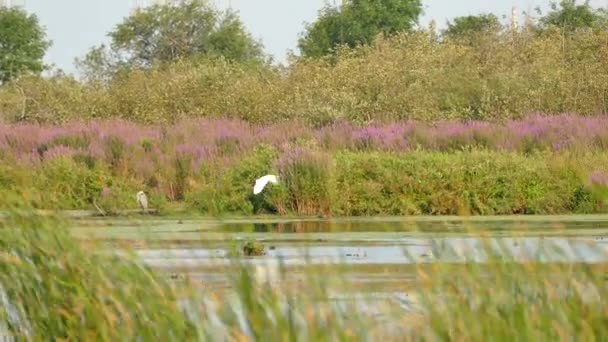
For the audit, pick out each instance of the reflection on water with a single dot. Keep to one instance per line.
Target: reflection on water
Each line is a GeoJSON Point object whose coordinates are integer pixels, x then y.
{"type": "Point", "coordinates": [426, 224]}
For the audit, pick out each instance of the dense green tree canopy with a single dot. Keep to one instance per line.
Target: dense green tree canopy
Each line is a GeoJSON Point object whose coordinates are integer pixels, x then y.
{"type": "Point", "coordinates": [167, 33]}
{"type": "Point", "coordinates": [22, 44]}
{"type": "Point", "coordinates": [469, 26]}
{"type": "Point", "coordinates": [357, 22]}
{"type": "Point", "coordinates": [570, 16]}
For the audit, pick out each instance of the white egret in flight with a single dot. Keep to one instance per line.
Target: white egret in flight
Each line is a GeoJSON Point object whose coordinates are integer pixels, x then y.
{"type": "Point", "coordinates": [261, 183]}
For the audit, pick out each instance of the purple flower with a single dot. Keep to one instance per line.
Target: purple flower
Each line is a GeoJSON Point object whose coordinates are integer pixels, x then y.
{"type": "Point", "coordinates": [599, 178]}
{"type": "Point", "coordinates": [58, 152]}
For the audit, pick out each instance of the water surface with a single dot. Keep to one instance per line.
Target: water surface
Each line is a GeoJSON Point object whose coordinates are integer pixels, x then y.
{"type": "Point", "coordinates": [198, 243]}
{"type": "Point", "coordinates": [377, 259]}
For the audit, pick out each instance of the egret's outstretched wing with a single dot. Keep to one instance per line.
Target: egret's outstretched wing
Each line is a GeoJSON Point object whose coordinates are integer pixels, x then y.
{"type": "Point", "coordinates": [261, 183]}
{"type": "Point", "coordinates": [259, 186]}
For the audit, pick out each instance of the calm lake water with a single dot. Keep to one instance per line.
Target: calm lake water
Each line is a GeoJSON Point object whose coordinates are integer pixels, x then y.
{"type": "Point", "coordinates": [204, 247]}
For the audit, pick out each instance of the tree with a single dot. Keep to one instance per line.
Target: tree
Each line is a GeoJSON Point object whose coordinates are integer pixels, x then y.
{"type": "Point", "coordinates": [357, 22]}
{"type": "Point", "coordinates": [472, 25]}
{"type": "Point", "coordinates": [168, 33]}
{"type": "Point", "coordinates": [22, 44]}
{"type": "Point", "coordinates": [100, 64]}
{"type": "Point", "coordinates": [569, 16]}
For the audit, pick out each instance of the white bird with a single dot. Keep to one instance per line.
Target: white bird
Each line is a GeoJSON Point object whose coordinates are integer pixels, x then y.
{"type": "Point", "coordinates": [142, 200]}
{"type": "Point", "coordinates": [261, 183]}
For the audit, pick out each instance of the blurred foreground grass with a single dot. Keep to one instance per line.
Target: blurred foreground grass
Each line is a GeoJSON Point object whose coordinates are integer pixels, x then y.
{"type": "Point", "coordinates": [53, 286]}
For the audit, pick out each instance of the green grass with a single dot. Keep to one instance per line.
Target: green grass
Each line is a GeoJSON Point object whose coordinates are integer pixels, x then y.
{"type": "Point", "coordinates": [64, 288]}
{"type": "Point", "coordinates": [336, 184]}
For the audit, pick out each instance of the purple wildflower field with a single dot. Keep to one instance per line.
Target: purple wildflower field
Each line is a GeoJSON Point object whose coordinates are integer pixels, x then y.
{"type": "Point", "coordinates": [217, 140]}
{"type": "Point", "coordinates": [178, 163]}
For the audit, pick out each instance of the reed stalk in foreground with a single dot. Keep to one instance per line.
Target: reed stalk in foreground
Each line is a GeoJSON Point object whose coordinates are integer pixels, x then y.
{"type": "Point", "coordinates": [54, 287]}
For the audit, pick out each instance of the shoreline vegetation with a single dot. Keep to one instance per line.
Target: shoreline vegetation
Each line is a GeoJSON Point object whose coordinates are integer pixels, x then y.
{"type": "Point", "coordinates": [478, 119]}
{"type": "Point", "coordinates": [474, 120]}
{"type": "Point", "coordinates": [537, 165]}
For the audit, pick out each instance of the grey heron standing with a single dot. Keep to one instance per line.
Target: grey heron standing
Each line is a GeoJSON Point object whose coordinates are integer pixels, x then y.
{"type": "Point", "coordinates": [142, 200]}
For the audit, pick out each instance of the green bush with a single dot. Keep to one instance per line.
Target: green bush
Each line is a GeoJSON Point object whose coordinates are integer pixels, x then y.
{"type": "Point", "coordinates": [315, 182]}
{"type": "Point", "coordinates": [478, 182]}
{"type": "Point", "coordinates": [229, 189]}
{"type": "Point", "coordinates": [422, 182]}
{"type": "Point", "coordinates": [63, 183]}
{"type": "Point", "coordinates": [305, 177]}
{"type": "Point", "coordinates": [407, 76]}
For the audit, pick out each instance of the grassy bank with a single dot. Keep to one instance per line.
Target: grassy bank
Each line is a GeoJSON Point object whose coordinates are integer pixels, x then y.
{"type": "Point", "coordinates": [55, 287]}
{"type": "Point", "coordinates": [539, 165]}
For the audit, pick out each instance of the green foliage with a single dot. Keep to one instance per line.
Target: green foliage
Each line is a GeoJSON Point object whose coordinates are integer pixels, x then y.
{"type": "Point", "coordinates": [15, 182]}
{"type": "Point", "coordinates": [569, 17]}
{"type": "Point", "coordinates": [325, 34]}
{"type": "Point", "coordinates": [65, 184]}
{"type": "Point", "coordinates": [516, 301]}
{"type": "Point", "coordinates": [71, 183]}
{"type": "Point", "coordinates": [161, 34]}
{"type": "Point", "coordinates": [306, 180]}
{"type": "Point", "coordinates": [147, 145]}
{"type": "Point", "coordinates": [22, 44]}
{"type": "Point", "coordinates": [57, 287]}
{"type": "Point", "coordinates": [357, 22]}
{"type": "Point", "coordinates": [253, 248]}
{"type": "Point", "coordinates": [100, 64]}
{"type": "Point", "coordinates": [472, 26]}
{"type": "Point", "coordinates": [582, 200]}
{"type": "Point", "coordinates": [408, 76]}
{"type": "Point", "coordinates": [430, 183]}
{"type": "Point", "coordinates": [340, 183]}
{"type": "Point", "coordinates": [496, 74]}
{"type": "Point", "coordinates": [182, 172]}
{"type": "Point", "coordinates": [229, 190]}
{"type": "Point", "coordinates": [60, 289]}
{"type": "Point", "coordinates": [448, 184]}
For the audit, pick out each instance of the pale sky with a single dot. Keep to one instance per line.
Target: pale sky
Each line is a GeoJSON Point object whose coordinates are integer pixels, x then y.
{"type": "Point", "coordinates": [76, 25]}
